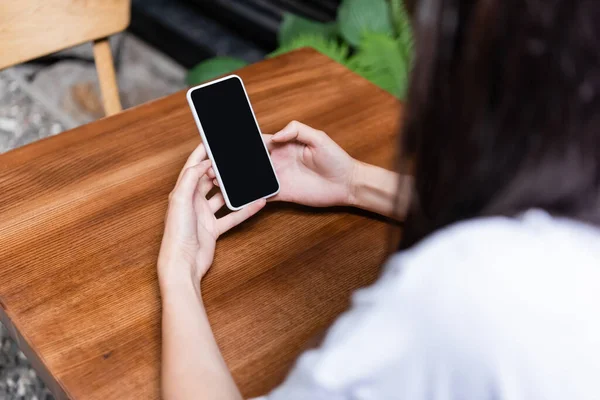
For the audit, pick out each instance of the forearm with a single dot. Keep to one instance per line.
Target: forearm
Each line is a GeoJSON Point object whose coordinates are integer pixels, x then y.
{"type": "Point", "coordinates": [381, 191]}
{"type": "Point", "coordinates": [192, 365]}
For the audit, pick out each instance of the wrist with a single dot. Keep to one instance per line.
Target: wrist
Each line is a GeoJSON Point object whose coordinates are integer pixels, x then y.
{"type": "Point", "coordinates": [179, 296]}
{"type": "Point", "coordinates": [174, 280]}
{"type": "Point", "coordinates": [376, 189]}
{"type": "Point", "coordinates": [356, 187]}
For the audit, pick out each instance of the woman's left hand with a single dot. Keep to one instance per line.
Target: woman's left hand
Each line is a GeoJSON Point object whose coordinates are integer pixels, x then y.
{"type": "Point", "coordinates": [191, 228]}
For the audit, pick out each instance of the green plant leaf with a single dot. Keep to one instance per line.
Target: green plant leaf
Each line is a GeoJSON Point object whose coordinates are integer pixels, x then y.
{"type": "Point", "coordinates": [293, 26]}
{"type": "Point", "coordinates": [403, 27]}
{"type": "Point", "coordinates": [330, 47]}
{"type": "Point", "coordinates": [213, 68]}
{"type": "Point", "coordinates": [380, 60]}
{"type": "Point", "coordinates": [357, 17]}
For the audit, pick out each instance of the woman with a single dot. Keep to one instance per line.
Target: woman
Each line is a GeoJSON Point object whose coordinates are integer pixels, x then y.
{"type": "Point", "coordinates": [495, 292]}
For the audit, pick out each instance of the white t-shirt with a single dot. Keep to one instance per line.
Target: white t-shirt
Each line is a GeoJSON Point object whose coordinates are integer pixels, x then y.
{"type": "Point", "coordinates": [495, 308]}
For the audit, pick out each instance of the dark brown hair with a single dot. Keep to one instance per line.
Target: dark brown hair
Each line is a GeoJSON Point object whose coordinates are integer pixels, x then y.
{"type": "Point", "coordinates": [503, 113]}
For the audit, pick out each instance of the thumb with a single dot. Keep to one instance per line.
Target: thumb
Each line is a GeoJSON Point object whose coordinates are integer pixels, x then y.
{"type": "Point", "coordinates": [300, 132]}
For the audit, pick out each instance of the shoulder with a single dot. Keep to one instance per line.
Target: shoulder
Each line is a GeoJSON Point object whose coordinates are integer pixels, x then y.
{"type": "Point", "coordinates": [486, 271]}
{"type": "Point", "coordinates": [479, 240]}
{"type": "Point", "coordinates": [462, 253]}
{"type": "Point", "coordinates": [500, 248]}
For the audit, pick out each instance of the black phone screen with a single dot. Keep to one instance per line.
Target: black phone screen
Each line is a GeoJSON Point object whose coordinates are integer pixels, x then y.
{"type": "Point", "coordinates": [235, 141]}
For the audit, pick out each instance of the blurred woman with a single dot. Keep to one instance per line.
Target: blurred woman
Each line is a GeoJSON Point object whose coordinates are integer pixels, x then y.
{"type": "Point", "coordinates": [494, 292]}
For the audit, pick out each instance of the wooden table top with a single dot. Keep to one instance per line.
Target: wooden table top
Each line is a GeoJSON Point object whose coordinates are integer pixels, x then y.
{"type": "Point", "coordinates": [81, 220]}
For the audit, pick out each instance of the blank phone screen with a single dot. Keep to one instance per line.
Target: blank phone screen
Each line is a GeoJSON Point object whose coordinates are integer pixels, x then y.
{"type": "Point", "coordinates": [235, 141]}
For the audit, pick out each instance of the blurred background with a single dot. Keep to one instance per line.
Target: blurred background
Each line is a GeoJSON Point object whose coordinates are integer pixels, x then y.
{"type": "Point", "coordinates": [165, 39]}
{"type": "Point", "coordinates": [172, 44]}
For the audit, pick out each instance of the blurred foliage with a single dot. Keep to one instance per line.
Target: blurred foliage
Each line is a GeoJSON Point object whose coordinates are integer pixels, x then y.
{"type": "Point", "coordinates": [336, 50]}
{"type": "Point", "coordinates": [402, 28]}
{"type": "Point", "coordinates": [213, 68]}
{"type": "Point", "coordinates": [357, 17]}
{"type": "Point", "coordinates": [373, 38]}
{"type": "Point", "coordinates": [380, 60]}
{"type": "Point", "coordinates": [293, 26]}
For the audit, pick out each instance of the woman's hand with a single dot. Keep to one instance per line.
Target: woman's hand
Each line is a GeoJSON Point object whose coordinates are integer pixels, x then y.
{"type": "Point", "coordinates": [191, 228]}
{"type": "Point", "coordinates": [312, 169]}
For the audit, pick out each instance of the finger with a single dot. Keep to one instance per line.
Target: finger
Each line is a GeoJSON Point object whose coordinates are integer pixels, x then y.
{"type": "Point", "coordinates": [216, 182]}
{"type": "Point", "coordinates": [205, 185]}
{"type": "Point", "coordinates": [273, 198]}
{"type": "Point", "coordinates": [185, 188]}
{"type": "Point", "coordinates": [211, 173]}
{"type": "Point", "coordinates": [300, 132]}
{"type": "Point", "coordinates": [268, 142]}
{"type": "Point", "coordinates": [197, 156]}
{"type": "Point", "coordinates": [235, 218]}
{"type": "Point", "coordinates": [216, 202]}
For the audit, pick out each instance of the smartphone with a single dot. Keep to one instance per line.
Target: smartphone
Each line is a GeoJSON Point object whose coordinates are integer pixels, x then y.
{"type": "Point", "coordinates": [233, 141]}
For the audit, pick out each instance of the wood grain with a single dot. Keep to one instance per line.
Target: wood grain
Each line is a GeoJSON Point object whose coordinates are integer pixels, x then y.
{"type": "Point", "coordinates": [82, 218]}
{"type": "Point", "coordinates": [34, 28]}
{"type": "Point", "coordinates": [107, 77]}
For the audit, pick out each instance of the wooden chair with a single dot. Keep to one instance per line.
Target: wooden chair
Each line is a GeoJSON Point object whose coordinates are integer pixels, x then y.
{"type": "Point", "coordinates": [35, 28]}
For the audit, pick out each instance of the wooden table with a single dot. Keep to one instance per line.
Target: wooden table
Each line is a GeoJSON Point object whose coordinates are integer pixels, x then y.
{"type": "Point", "coordinates": [81, 219]}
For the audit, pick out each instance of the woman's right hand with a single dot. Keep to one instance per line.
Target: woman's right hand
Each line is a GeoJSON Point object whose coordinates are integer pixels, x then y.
{"type": "Point", "coordinates": [312, 169]}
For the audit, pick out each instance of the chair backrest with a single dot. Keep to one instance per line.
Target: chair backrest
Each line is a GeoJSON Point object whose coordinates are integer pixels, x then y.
{"type": "Point", "coordinates": [34, 28]}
